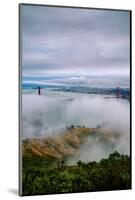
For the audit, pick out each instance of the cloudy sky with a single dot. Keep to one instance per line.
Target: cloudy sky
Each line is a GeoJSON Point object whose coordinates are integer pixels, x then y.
{"type": "Point", "coordinates": [74, 42]}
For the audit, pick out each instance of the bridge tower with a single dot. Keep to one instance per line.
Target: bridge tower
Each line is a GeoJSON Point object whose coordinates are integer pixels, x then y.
{"type": "Point", "coordinates": [39, 90]}
{"type": "Point", "coordinates": [118, 92]}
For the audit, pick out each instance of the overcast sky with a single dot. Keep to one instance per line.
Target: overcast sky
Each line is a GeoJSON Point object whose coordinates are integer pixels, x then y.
{"type": "Point", "coordinates": [68, 42]}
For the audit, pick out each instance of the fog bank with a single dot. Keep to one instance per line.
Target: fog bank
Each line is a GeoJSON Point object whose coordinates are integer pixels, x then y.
{"type": "Point", "coordinates": [44, 116]}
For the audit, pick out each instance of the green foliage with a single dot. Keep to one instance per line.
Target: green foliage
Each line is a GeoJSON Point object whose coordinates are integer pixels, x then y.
{"type": "Point", "coordinates": [44, 176]}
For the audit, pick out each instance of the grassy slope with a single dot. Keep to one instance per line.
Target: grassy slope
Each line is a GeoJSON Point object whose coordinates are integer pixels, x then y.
{"type": "Point", "coordinates": [45, 170]}
{"type": "Point", "coordinates": [62, 146]}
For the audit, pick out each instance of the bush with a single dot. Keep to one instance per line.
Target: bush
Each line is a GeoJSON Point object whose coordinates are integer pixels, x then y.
{"type": "Point", "coordinates": [108, 174]}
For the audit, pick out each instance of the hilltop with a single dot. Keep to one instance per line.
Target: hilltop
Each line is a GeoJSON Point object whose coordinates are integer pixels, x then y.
{"type": "Point", "coordinates": [61, 146]}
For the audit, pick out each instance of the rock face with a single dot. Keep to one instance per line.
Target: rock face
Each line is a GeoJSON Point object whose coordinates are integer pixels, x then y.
{"type": "Point", "coordinates": [64, 145]}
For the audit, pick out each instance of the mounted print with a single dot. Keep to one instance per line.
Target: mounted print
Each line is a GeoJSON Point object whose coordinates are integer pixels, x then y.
{"type": "Point", "coordinates": [75, 92]}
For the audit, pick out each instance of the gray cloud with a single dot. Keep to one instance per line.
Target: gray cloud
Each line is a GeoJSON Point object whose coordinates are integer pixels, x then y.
{"type": "Point", "coordinates": [72, 41]}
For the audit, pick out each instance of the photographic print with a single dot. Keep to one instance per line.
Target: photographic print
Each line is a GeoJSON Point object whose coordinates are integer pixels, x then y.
{"type": "Point", "coordinates": [75, 99]}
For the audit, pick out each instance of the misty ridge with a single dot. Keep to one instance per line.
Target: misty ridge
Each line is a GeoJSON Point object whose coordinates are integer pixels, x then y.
{"type": "Point", "coordinates": [46, 117]}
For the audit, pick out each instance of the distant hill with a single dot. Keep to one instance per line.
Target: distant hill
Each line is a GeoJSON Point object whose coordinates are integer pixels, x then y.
{"type": "Point", "coordinates": [63, 145]}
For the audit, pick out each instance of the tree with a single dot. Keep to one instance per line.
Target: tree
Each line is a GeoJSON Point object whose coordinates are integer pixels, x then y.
{"type": "Point", "coordinates": [62, 164]}
{"type": "Point", "coordinates": [114, 156]}
{"type": "Point", "coordinates": [79, 163]}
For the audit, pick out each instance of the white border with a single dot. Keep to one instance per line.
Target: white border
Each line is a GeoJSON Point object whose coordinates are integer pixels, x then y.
{"type": "Point", "coordinates": [9, 97]}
